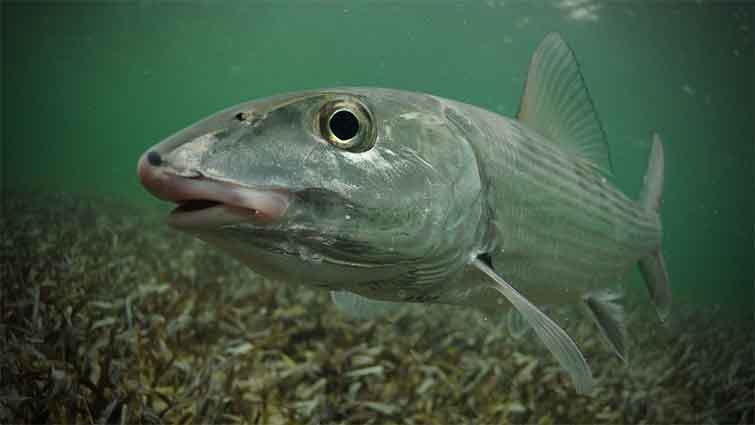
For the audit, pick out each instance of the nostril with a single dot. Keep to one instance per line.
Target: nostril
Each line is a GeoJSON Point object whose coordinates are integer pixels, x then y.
{"type": "Point", "coordinates": [154, 158]}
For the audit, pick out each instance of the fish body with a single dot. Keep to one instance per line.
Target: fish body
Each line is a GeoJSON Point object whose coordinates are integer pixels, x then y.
{"type": "Point", "coordinates": [560, 228]}
{"type": "Point", "coordinates": [385, 196]}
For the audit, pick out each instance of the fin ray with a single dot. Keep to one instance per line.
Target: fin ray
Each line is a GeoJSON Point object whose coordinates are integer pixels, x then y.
{"type": "Point", "coordinates": [653, 267]}
{"type": "Point", "coordinates": [653, 270]}
{"type": "Point", "coordinates": [555, 339]}
{"type": "Point", "coordinates": [609, 316]}
{"type": "Point", "coordinates": [652, 188]}
{"type": "Point", "coordinates": [557, 105]}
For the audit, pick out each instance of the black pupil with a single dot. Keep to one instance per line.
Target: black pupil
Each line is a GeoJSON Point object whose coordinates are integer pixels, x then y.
{"type": "Point", "coordinates": [344, 125]}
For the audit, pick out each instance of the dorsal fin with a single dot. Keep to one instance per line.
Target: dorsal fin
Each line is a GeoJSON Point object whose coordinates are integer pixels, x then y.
{"type": "Point", "coordinates": [557, 105]}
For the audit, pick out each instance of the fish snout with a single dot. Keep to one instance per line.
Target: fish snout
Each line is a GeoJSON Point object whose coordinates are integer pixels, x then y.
{"type": "Point", "coordinates": [194, 192]}
{"type": "Point", "coordinates": [145, 168]}
{"type": "Point", "coordinates": [153, 177]}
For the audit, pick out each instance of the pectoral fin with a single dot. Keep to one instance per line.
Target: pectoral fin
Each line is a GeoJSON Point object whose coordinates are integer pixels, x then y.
{"type": "Point", "coordinates": [557, 341]}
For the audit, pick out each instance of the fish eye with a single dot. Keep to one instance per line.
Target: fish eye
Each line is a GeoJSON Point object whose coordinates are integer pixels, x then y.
{"type": "Point", "coordinates": [347, 125]}
{"type": "Point", "coordinates": [344, 124]}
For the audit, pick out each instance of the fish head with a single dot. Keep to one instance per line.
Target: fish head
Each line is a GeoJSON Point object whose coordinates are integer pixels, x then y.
{"type": "Point", "coordinates": [334, 188]}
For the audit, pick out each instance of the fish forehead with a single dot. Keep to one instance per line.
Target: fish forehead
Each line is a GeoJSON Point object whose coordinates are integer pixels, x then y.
{"type": "Point", "coordinates": [412, 130]}
{"type": "Point", "coordinates": [416, 107]}
{"type": "Point", "coordinates": [387, 104]}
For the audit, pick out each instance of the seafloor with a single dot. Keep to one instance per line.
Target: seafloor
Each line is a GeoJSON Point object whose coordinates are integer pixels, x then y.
{"type": "Point", "coordinates": [109, 317]}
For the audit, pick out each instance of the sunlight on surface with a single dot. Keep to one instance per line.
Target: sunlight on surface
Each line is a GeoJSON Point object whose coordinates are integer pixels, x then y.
{"type": "Point", "coordinates": [580, 10]}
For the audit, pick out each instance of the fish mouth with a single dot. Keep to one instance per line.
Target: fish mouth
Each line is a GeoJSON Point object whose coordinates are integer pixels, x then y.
{"type": "Point", "coordinates": [205, 213]}
{"type": "Point", "coordinates": [211, 203]}
{"type": "Point", "coordinates": [196, 205]}
{"type": "Point", "coordinates": [208, 202]}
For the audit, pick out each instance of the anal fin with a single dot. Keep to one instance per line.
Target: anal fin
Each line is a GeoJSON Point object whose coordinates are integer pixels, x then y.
{"type": "Point", "coordinates": [608, 314]}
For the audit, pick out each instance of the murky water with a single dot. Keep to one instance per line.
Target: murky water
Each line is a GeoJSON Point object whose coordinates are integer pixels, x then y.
{"type": "Point", "coordinates": [88, 87]}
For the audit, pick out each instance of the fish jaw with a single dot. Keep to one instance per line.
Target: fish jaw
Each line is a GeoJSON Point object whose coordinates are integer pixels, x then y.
{"type": "Point", "coordinates": [209, 202]}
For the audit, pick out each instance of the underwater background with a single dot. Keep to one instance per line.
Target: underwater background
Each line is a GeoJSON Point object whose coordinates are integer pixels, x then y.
{"type": "Point", "coordinates": [87, 87]}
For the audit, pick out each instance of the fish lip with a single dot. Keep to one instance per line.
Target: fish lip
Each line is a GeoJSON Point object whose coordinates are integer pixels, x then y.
{"type": "Point", "coordinates": [213, 217]}
{"type": "Point", "coordinates": [236, 202]}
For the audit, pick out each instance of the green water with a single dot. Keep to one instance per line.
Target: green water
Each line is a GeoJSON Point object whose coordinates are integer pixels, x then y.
{"type": "Point", "coordinates": [88, 87]}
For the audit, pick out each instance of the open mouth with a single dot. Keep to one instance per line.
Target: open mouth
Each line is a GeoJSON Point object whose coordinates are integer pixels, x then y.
{"type": "Point", "coordinates": [194, 205]}
{"type": "Point", "coordinates": [210, 203]}
{"type": "Point", "coordinates": [207, 213]}
{"type": "Point", "coordinates": [204, 201]}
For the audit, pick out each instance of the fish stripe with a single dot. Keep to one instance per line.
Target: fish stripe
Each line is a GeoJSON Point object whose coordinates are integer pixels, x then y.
{"type": "Point", "coordinates": [557, 217]}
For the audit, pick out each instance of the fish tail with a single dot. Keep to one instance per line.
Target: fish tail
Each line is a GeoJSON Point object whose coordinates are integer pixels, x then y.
{"type": "Point", "coordinates": [653, 267]}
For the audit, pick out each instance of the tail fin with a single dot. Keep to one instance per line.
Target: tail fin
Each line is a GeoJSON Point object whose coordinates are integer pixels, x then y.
{"type": "Point", "coordinates": [653, 267]}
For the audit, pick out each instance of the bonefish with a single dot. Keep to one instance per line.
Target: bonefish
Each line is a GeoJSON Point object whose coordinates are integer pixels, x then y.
{"type": "Point", "coordinates": [384, 196]}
